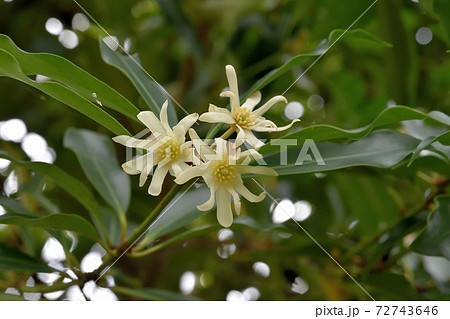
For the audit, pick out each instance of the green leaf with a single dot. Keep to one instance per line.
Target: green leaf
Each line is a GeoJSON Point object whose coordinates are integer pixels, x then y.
{"type": "Point", "coordinates": [179, 212]}
{"type": "Point", "coordinates": [380, 149]}
{"type": "Point", "coordinates": [8, 297]}
{"type": "Point", "coordinates": [68, 222]}
{"type": "Point", "coordinates": [390, 237]}
{"type": "Point", "coordinates": [99, 162]}
{"type": "Point", "coordinates": [443, 138]}
{"type": "Point", "coordinates": [72, 185]}
{"type": "Point", "coordinates": [389, 116]}
{"type": "Point", "coordinates": [152, 294]}
{"type": "Point", "coordinates": [65, 72]}
{"type": "Point", "coordinates": [13, 206]}
{"type": "Point", "coordinates": [240, 222]}
{"type": "Point", "coordinates": [276, 73]}
{"type": "Point", "coordinates": [440, 10]}
{"type": "Point", "coordinates": [391, 286]}
{"type": "Point", "coordinates": [152, 92]}
{"type": "Point", "coordinates": [434, 240]}
{"type": "Point", "coordinates": [15, 260]}
{"type": "Point", "coordinates": [357, 34]}
{"type": "Point", "coordinates": [11, 68]}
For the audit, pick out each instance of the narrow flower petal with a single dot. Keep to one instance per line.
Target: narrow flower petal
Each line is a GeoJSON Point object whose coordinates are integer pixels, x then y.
{"type": "Point", "coordinates": [209, 204]}
{"type": "Point", "coordinates": [190, 173]}
{"type": "Point", "coordinates": [201, 147]}
{"type": "Point", "coordinates": [257, 170]}
{"type": "Point", "coordinates": [248, 156]}
{"type": "Point", "coordinates": [133, 142]}
{"type": "Point", "coordinates": [224, 213]}
{"type": "Point", "coordinates": [233, 83]}
{"type": "Point", "coordinates": [261, 110]}
{"type": "Point", "coordinates": [130, 168]}
{"type": "Point", "coordinates": [236, 200]}
{"type": "Point", "coordinates": [221, 148]}
{"type": "Point", "coordinates": [187, 154]}
{"type": "Point", "coordinates": [241, 189]}
{"type": "Point", "coordinates": [184, 125]}
{"type": "Point", "coordinates": [252, 101]}
{"type": "Point", "coordinates": [157, 180]}
{"type": "Point", "coordinates": [216, 117]}
{"type": "Point", "coordinates": [136, 165]}
{"type": "Point", "coordinates": [248, 136]}
{"type": "Point", "coordinates": [214, 108]}
{"type": "Point", "coordinates": [259, 128]}
{"type": "Point", "coordinates": [152, 122]}
{"type": "Point", "coordinates": [163, 117]}
{"type": "Point", "coordinates": [145, 165]}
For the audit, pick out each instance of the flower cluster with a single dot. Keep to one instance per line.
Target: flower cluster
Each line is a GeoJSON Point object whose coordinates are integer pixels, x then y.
{"type": "Point", "coordinates": [219, 165]}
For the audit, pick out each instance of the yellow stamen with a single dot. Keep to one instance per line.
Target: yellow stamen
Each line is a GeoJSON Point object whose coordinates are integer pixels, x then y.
{"type": "Point", "coordinates": [223, 172]}
{"type": "Point", "coordinates": [243, 117]}
{"type": "Point", "coordinates": [170, 150]}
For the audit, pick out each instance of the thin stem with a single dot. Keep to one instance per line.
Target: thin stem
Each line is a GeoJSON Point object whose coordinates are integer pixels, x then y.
{"type": "Point", "coordinates": [189, 234]}
{"type": "Point", "coordinates": [150, 218]}
{"type": "Point", "coordinates": [123, 225]}
{"type": "Point", "coordinates": [228, 132]}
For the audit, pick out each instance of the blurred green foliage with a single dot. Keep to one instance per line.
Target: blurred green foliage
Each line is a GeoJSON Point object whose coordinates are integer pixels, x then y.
{"type": "Point", "coordinates": [366, 217]}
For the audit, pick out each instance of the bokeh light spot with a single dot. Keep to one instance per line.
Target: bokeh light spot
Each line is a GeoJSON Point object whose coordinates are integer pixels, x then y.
{"type": "Point", "coordinates": [68, 39]}
{"type": "Point", "coordinates": [54, 26]}
{"type": "Point", "coordinates": [80, 22]}
{"type": "Point", "coordinates": [294, 110]}
{"type": "Point", "coordinates": [424, 36]}
{"type": "Point", "coordinates": [13, 130]}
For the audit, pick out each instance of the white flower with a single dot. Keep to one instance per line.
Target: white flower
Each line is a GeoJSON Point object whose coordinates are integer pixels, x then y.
{"type": "Point", "coordinates": [167, 149]}
{"type": "Point", "coordinates": [221, 170]}
{"type": "Point", "coordinates": [242, 116]}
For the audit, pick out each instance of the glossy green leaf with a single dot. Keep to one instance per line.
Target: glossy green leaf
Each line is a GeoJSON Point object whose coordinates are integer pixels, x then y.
{"type": "Point", "coordinates": [15, 260]}
{"type": "Point", "coordinates": [152, 294]}
{"type": "Point", "coordinates": [9, 67]}
{"type": "Point", "coordinates": [65, 72]}
{"type": "Point", "coordinates": [97, 157]}
{"type": "Point", "coordinates": [72, 185]}
{"type": "Point", "coordinates": [14, 207]}
{"type": "Point", "coordinates": [19, 215]}
{"type": "Point", "coordinates": [389, 116]}
{"type": "Point", "coordinates": [443, 138]}
{"type": "Point", "coordinates": [151, 91]}
{"type": "Point", "coordinates": [434, 240]}
{"type": "Point", "coordinates": [68, 222]}
{"type": "Point", "coordinates": [380, 149]}
{"type": "Point", "coordinates": [179, 212]}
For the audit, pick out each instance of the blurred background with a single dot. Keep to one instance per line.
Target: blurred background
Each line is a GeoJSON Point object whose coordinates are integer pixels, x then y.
{"type": "Point", "coordinates": [185, 46]}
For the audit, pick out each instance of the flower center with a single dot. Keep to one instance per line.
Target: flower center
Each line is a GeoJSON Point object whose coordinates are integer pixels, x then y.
{"type": "Point", "coordinates": [243, 117]}
{"type": "Point", "coordinates": [224, 172]}
{"type": "Point", "coordinates": [170, 150]}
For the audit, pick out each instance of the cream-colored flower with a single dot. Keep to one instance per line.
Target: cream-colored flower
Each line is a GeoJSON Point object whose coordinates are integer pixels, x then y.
{"type": "Point", "coordinates": [243, 117]}
{"type": "Point", "coordinates": [221, 170]}
{"type": "Point", "coordinates": [167, 149]}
